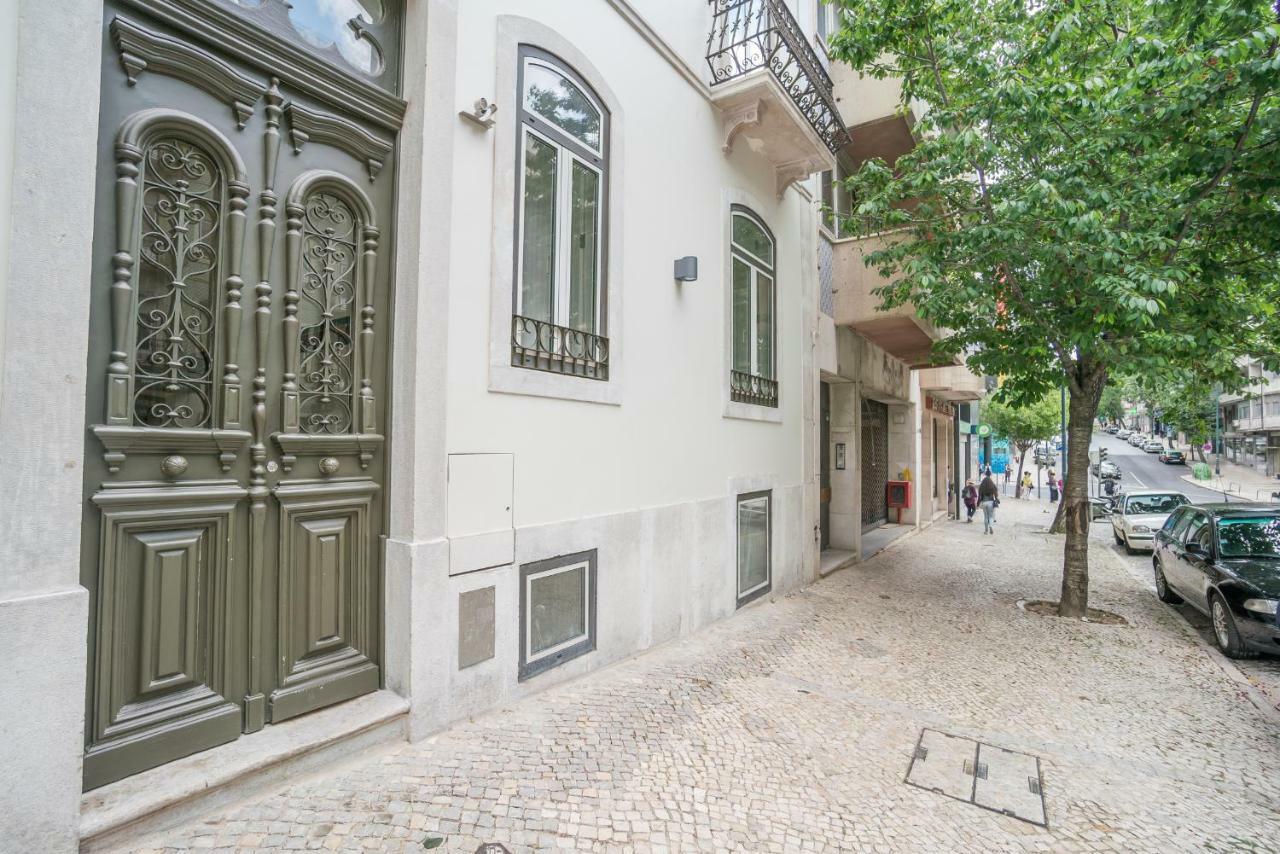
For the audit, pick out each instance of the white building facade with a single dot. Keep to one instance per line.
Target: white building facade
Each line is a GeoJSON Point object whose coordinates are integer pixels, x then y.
{"type": "Point", "coordinates": [365, 370]}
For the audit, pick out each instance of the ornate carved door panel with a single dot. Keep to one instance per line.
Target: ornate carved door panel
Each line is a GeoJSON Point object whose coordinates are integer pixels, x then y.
{"type": "Point", "coordinates": [237, 363]}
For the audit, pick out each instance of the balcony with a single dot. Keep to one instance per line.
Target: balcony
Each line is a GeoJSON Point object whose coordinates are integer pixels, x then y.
{"type": "Point", "coordinates": [771, 89]}
{"type": "Point", "coordinates": [954, 383]}
{"type": "Point", "coordinates": [899, 331]}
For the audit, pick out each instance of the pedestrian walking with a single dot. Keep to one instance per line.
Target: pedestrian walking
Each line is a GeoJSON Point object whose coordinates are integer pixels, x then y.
{"type": "Point", "coordinates": [989, 500]}
{"type": "Point", "coordinates": [1053, 487]}
{"type": "Point", "coordinates": [1026, 484]}
{"type": "Point", "coordinates": [970, 497]}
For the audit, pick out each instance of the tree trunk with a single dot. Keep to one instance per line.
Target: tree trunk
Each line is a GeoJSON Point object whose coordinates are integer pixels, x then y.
{"type": "Point", "coordinates": [1086, 391]}
{"type": "Point", "coordinates": [1059, 525]}
{"type": "Point", "coordinates": [1017, 480]}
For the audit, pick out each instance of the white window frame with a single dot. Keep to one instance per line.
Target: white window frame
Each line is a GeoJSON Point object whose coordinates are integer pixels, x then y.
{"type": "Point", "coordinates": [531, 663]}
{"type": "Point", "coordinates": [513, 33]}
{"type": "Point", "coordinates": [757, 266]}
{"type": "Point", "coordinates": [566, 157]}
{"type": "Point", "coordinates": [745, 596]}
{"type": "Point", "coordinates": [560, 291]}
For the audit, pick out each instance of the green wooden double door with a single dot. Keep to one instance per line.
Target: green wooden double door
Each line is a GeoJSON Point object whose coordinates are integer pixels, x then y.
{"type": "Point", "coordinates": [237, 397]}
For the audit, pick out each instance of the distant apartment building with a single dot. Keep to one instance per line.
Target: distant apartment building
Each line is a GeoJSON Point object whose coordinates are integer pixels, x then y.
{"type": "Point", "coordinates": [1250, 420]}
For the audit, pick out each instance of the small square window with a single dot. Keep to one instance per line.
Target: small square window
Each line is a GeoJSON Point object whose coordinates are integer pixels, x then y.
{"type": "Point", "coordinates": [754, 526]}
{"type": "Point", "coordinates": [557, 611]}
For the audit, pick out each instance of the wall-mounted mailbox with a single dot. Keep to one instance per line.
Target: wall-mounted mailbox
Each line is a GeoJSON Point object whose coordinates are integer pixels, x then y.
{"type": "Point", "coordinates": [481, 534]}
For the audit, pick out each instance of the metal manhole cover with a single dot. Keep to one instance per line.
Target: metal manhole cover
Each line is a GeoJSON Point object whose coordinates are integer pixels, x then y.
{"type": "Point", "coordinates": [987, 776]}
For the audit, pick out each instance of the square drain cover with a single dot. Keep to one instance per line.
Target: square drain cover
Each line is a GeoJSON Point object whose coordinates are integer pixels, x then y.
{"type": "Point", "coordinates": [1003, 781]}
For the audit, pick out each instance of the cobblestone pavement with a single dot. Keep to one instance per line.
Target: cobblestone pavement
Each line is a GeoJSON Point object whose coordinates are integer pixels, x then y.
{"type": "Point", "coordinates": [790, 727]}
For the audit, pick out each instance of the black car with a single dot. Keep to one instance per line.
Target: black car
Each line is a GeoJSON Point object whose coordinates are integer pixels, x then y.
{"type": "Point", "coordinates": [1224, 560]}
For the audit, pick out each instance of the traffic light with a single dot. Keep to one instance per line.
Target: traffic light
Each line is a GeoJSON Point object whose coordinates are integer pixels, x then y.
{"type": "Point", "coordinates": [1102, 454]}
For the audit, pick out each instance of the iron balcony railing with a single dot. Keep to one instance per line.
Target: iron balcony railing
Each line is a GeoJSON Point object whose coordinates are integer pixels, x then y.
{"type": "Point", "coordinates": [751, 34]}
{"type": "Point", "coordinates": [544, 346]}
{"type": "Point", "coordinates": [749, 388]}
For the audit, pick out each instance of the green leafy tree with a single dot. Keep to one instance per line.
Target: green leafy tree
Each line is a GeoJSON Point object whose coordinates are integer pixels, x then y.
{"type": "Point", "coordinates": [1111, 404]}
{"type": "Point", "coordinates": [1094, 186]}
{"type": "Point", "coordinates": [1022, 424]}
{"type": "Point", "coordinates": [1186, 403]}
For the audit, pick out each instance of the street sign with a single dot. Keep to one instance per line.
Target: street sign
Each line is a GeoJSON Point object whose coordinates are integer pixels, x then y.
{"type": "Point", "coordinates": [984, 430]}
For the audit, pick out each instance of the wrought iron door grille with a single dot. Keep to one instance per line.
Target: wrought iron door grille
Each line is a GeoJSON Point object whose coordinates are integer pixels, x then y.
{"type": "Point", "coordinates": [544, 346]}
{"type": "Point", "coordinates": [751, 34]}
{"type": "Point", "coordinates": [875, 462]}
{"type": "Point", "coordinates": [749, 388]}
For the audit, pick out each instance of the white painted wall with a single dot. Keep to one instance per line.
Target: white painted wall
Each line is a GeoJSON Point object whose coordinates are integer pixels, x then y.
{"type": "Point", "coordinates": [667, 441]}
{"type": "Point", "coordinates": [645, 470]}
{"type": "Point", "coordinates": [49, 54]}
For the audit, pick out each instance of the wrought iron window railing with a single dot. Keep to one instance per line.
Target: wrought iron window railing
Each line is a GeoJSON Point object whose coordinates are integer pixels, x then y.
{"type": "Point", "coordinates": [749, 388]}
{"type": "Point", "coordinates": [751, 34]}
{"type": "Point", "coordinates": [544, 346]}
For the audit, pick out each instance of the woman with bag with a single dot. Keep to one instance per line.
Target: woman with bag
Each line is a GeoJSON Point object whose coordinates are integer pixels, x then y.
{"type": "Point", "coordinates": [989, 500]}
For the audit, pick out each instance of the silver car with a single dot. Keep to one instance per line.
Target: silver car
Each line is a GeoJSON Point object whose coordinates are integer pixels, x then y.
{"type": "Point", "coordinates": [1140, 513]}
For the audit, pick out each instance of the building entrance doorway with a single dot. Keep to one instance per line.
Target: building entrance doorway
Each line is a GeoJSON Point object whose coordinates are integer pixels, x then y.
{"type": "Point", "coordinates": [875, 463]}
{"type": "Point", "coordinates": [824, 467]}
{"type": "Point", "coordinates": [237, 364]}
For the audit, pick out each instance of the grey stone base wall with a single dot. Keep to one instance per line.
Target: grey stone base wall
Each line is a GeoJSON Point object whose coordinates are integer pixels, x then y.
{"type": "Point", "coordinates": [662, 573]}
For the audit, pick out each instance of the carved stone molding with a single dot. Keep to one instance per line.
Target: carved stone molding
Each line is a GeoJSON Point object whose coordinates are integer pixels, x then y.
{"type": "Point", "coordinates": [740, 119]}
{"type": "Point", "coordinates": [144, 50]}
{"type": "Point", "coordinates": [308, 125]}
{"type": "Point", "coordinates": [786, 174]}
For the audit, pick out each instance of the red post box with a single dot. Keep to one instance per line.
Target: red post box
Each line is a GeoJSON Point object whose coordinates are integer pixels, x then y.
{"type": "Point", "coordinates": [898, 496]}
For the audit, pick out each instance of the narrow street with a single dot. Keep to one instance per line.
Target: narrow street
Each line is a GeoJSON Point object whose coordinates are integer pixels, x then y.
{"type": "Point", "coordinates": [1144, 471]}
{"type": "Point", "coordinates": [794, 725]}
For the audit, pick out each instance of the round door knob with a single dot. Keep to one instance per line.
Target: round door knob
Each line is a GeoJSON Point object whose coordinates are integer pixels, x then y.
{"type": "Point", "coordinates": [173, 465]}
{"type": "Point", "coordinates": [328, 466]}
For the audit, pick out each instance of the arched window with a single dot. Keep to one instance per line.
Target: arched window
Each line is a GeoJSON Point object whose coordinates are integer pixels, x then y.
{"type": "Point", "coordinates": [176, 272]}
{"type": "Point", "coordinates": [332, 245]}
{"type": "Point", "coordinates": [559, 322]}
{"type": "Point", "coordinates": [753, 367]}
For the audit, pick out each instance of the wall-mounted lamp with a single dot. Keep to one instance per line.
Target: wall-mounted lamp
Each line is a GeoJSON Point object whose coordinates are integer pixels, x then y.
{"type": "Point", "coordinates": [687, 269]}
{"type": "Point", "coordinates": [481, 114]}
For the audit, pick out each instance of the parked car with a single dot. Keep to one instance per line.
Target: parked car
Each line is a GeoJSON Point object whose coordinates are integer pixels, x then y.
{"type": "Point", "coordinates": [1105, 469]}
{"type": "Point", "coordinates": [1153, 446]}
{"type": "Point", "coordinates": [1043, 457]}
{"type": "Point", "coordinates": [1100, 507]}
{"type": "Point", "coordinates": [1224, 560]}
{"type": "Point", "coordinates": [1137, 440]}
{"type": "Point", "coordinates": [1173, 457]}
{"type": "Point", "coordinates": [1123, 433]}
{"type": "Point", "coordinates": [1140, 513]}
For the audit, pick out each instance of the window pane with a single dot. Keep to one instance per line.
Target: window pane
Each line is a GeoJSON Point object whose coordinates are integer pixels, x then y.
{"type": "Point", "coordinates": [584, 248]}
{"type": "Point", "coordinates": [741, 316]}
{"type": "Point", "coordinates": [557, 608]}
{"type": "Point", "coordinates": [537, 273]}
{"type": "Point", "coordinates": [752, 238]}
{"type": "Point", "coordinates": [753, 544]}
{"type": "Point", "coordinates": [764, 326]}
{"type": "Point", "coordinates": [325, 23]}
{"type": "Point", "coordinates": [553, 96]}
